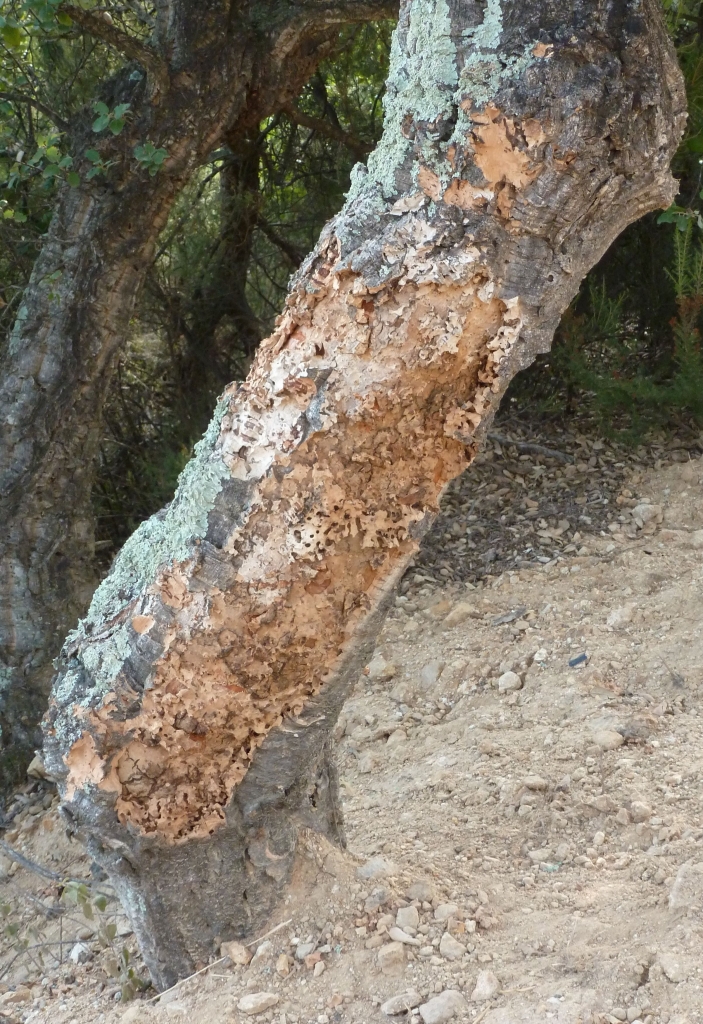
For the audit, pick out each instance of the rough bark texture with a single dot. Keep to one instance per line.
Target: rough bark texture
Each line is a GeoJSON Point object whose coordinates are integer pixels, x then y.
{"type": "Point", "coordinates": [215, 69]}
{"type": "Point", "coordinates": [190, 717]}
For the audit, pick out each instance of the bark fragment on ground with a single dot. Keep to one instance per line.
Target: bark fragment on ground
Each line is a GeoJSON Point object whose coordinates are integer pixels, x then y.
{"type": "Point", "coordinates": [190, 716]}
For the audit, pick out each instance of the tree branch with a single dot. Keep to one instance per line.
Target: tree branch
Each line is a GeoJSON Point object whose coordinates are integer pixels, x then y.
{"type": "Point", "coordinates": [359, 148]}
{"type": "Point", "coordinates": [102, 28]}
{"type": "Point", "coordinates": [294, 254]}
{"type": "Point", "coordinates": [18, 97]}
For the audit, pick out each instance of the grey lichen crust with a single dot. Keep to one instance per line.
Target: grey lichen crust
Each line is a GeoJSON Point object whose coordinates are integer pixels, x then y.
{"type": "Point", "coordinates": [426, 85]}
{"type": "Point", "coordinates": [167, 537]}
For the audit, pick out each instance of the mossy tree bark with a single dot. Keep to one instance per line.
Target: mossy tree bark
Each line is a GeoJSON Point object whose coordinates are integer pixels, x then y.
{"type": "Point", "coordinates": [212, 71]}
{"type": "Point", "coordinates": [190, 719]}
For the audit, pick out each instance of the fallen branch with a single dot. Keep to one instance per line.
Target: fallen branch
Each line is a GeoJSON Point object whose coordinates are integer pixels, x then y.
{"type": "Point", "coordinates": [530, 448]}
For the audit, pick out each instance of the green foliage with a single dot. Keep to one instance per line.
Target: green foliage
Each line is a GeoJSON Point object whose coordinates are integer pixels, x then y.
{"type": "Point", "coordinates": [113, 120]}
{"type": "Point", "coordinates": [148, 156]}
{"type": "Point", "coordinates": [631, 381]}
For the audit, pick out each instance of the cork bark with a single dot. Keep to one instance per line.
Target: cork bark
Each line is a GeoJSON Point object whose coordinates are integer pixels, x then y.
{"type": "Point", "coordinates": [191, 715]}
{"type": "Point", "coordinates": [211, 73]}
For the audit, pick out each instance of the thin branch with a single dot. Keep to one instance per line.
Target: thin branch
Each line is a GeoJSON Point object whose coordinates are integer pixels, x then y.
{"type": "Point", "coordinates": [29, 864]}
{"type": "Point", "coordinates": [530, 448]}
{"type": "Point", "coordinates": [358, 147]}
{"type": "Point", "coordinates": [293, 253]}
{"type": "Point", "coordinates": [18, 97]}
{"type": "Point", "coordinates": [102, 28]}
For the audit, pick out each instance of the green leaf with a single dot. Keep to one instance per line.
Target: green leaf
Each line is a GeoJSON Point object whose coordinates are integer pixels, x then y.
{"type": "Point", "coordinates": [116, 125]}
{"type": "Point", "coordinates": [64, 19]}
{"type": "Point", "coordinates": [12, 35]}
{"type": "Point", "coordinates": [92, 173]}
{"type": "Point", "coordinates": [93, 156]}
{"type": "Point", "coordinates": [121, 109]}
{"type": "Point", "coordinates": [100, 902]}
{"type": "Point", "coordinates": [101, 123]}
{"type": "Point", "coordinates": [20, 217]}
{"type": "Point", "coordinates": [111, 931]}
{"type": "Point", "coordinates": [52, 154]}
{"type": "Point", "coordinates": [101, 108]}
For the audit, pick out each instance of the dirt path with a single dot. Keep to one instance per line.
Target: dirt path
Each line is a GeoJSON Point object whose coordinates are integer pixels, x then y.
{"type": "Point", "coordinates": [535, 830]}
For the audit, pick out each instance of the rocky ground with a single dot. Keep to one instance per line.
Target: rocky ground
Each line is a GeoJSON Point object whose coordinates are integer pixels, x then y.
{"type": "Point", "coordinates": [520, 767]}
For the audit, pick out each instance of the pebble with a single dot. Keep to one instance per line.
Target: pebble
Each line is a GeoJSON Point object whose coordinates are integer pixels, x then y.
{"type": "Point", "coordinates": [421, 891]}
{"type": "Point", "coordinates": [263, 952]}
{"type": "Point", "coordinates": [380, 670]}
{"type": "Point", "coordinates": [446, 910]}
{"type": "Point", "coordinates": [257, 1002]}
{"type": "Point", "coordinates": [304, 949]}
{"type": "Point", "coordinates": [444, 1007]}
{"type": "Point", "coordinates": [673, 967]}
{"type": "Point", "coordinates": [697, 539]}
{"type": "Point", "coordinates": [460, 613]}
{"type": "Point", "coordinates": [402, 1003]}
{"type": "Point", "coordinates": [391, 958]}
{"type": "Point", "coordinates": [283, 965]}
{"type": "Point", "coordinates": [509, 682]}
{"type": "Point", "coordinates": [487, 986]}
{"type": "Point", "coordinates": [535, 782]}
{"type": "Point", "coordinates": [80, 953]}
{"type": "Point", "coordinates": [238, 953]}
{"type": "Point", "coordinates": [620, 616]}
{"type": "Point", "coordinates": [398, 935]}
{"type": "Point", "coordinates": [608, 739]}
{"type": "Point", "coordinates": [640, 811]}
{"type": "Point", "coordinates": [407, 917]}
{"type": "Point", "coordinates": [450, 948]}
{"type": "Point", "coordinates": [377, 867]}
{"type": "Point", "coordinates": [318, 969]}
{"type": "Point", "coordinates": [431, 672]}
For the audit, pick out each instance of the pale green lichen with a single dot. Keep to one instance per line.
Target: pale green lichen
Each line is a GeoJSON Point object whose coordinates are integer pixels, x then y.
{"type": "Point", "coordinates": [422, 78]}
{"type": "Point", "coordinates": [166, 537]}
{"type": "Point", "coordinates": [425, 85]}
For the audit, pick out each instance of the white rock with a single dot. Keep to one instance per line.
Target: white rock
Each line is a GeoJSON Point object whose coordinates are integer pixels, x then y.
{"type": "Point", "coordinates": [509, 682]}
{"type": "Point", "coordinates": [640, 811]}
{"type": "Point", "coordinates": [397, 737]}
{"type": "Point", "coordinates": [377, 867]}
{"type": "Point", "coordinates": [431, 672]}
{"type": "Point", "coordinates": [407, 917]}
{"type": "Point", "coordinates": [674, 967]}
{"type": "Point", "coordinates": [450, 948]}
{"type": "Point", "coordinates": [487, 986]}
{"type": "Point", "coordinates": [445, 910]}
{"type": "Point", "coordinates": [398, 935]}
{"type": "Point", "coordinates": [381, 670]}
{"type": "Point", "coordinates": [237, 953]}
{"type": "Point", "coordinates": [263, 952]}
{"type": "Point", "coordinates": [319, 968]}
{"type": "Point", "coordinates": [391, 958]}
{"type": "Point", "coordinates": [257, 1002]}
{"type": "Point", "coordinates": [36, 768]}
{"type": "Point", "coordinates": [621, 616]}
{"type": "Point", "coordinates": [608, 739]}
{"type": "Point", "coordinates": [80, 953]}
{"type": "Point", "coordinates": [402, 1003]}
{"type": "Point", "coordinates": [542, 856]}
{"type": "Point", "coordinates": [646, 512]}
{"type": "Point", "coordinates": [460, 613]}
{"type": "Point", "coordinates": [535, 782]}
{"type": "Point", "coordinates": [687, 890]}
{"type": "Point", "coordinates": [697, 539]}
{"type": "Point", "coordinates": [444, 1007]}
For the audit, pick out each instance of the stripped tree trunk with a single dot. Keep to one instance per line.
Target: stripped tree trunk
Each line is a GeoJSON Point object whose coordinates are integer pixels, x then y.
{"type": "Point", "coordinates": [208, 75]}
{"type": "Point", "coordinates": [191, 716]}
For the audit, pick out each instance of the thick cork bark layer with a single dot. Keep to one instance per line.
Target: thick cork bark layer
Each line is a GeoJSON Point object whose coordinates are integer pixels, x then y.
{"type": "Point", "coordinates": [190, 717]}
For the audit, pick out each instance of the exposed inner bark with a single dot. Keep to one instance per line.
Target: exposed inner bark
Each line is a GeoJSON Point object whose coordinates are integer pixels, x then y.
{"type": "Point", "coordinates": [211, 84]}
{"type": "Point", "coordinates": [194, 701]}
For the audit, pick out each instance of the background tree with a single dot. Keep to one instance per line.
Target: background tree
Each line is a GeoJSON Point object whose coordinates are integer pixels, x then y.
{"type": "Point", "coordinates": [190, 718]}
{"type": "Point", "coordinates": [169, 83]}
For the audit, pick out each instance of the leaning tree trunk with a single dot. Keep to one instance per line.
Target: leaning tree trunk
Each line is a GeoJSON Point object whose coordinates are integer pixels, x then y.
{"type": "Point", "coordinates": [206, 82]}
{"type": "Point", "coordinates": [191, 715]}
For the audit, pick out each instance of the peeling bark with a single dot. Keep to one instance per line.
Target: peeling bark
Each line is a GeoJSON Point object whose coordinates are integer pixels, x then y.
{"type": "Point", "coordinates": [190, 717]}
{"type": "Point", "coordinates": [206, 84]}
